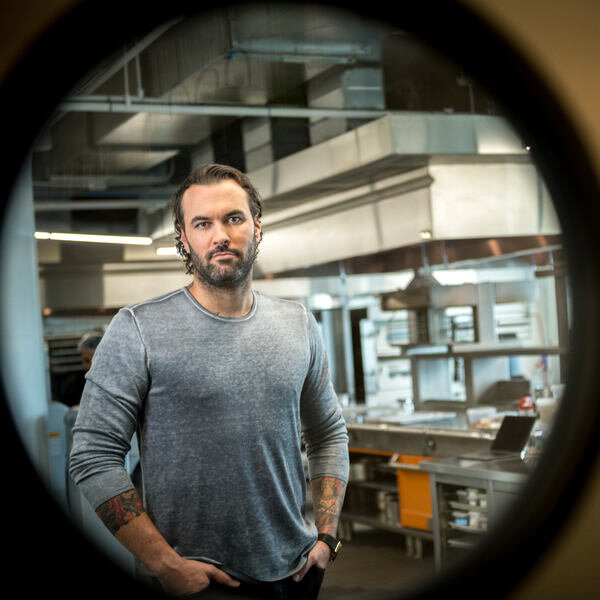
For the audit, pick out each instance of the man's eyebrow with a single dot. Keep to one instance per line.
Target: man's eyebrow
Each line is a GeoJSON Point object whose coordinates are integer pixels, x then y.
{"type": "Point", "coordinates": [232, 213]}
{"type": "Point", "coordinates": [199, 218]}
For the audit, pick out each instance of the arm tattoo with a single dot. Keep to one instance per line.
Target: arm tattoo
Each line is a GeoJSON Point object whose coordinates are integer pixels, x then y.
{"type": "Point", "coordinates": [328, 496]}
{"type": "Point", "coordinates": [121, 509]}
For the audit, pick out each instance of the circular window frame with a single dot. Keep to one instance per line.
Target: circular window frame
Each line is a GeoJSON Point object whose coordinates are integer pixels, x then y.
{"type": "Point", "coordinates": [528, 528]}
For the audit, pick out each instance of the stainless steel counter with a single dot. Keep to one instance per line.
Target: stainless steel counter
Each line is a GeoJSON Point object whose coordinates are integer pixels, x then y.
{"type": "Point", "coordinates": [507, 470]}
{"type": "Point", "coordinates": [443, 437]}
{"type": "Point", "coordinates": [376, 429]}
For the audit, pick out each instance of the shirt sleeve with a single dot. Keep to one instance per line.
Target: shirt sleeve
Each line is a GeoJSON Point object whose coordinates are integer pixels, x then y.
{"type": "Point", "coordinates": [323, 426]}
{"type": "Point", "coordinates": [115, 389]}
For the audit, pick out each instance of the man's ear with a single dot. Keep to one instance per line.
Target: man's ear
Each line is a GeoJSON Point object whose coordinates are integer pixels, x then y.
{"type": "Point", "coordinates": [258, 233]}
{"type": "Point", "coordinates": [184, 241]}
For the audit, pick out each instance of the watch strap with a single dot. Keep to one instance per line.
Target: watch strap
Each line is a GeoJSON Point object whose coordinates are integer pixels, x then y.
{"type": "Point", "coordinates": [333, 543]}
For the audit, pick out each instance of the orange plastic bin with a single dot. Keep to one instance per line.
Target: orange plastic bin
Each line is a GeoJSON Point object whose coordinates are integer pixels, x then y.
{"type": "Point", "coordinates": [414, 493]}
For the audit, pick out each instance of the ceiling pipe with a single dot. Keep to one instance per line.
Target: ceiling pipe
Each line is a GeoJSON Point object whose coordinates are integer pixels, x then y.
{"type": "Point", "coordinates": [99, 182]}
{"type": "Point", "coordinates": [104, 181]}
{"type": "Point", "coordinates": [96, 81]}
{"type": "Point", "coordinates": [119, 104]}
{"type": "Point", "coordinates": [103, 76]}
{"type": "Point", "coordinates": [56, 205]}
{"type": "Point", "coordinates": [286, 46]}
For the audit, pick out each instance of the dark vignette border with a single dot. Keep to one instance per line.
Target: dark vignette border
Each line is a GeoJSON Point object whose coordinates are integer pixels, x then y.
{"type": "Point", "coordinates": [47, 551]}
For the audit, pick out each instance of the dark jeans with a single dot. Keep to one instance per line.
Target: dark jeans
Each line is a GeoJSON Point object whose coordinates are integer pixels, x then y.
{"type": "Point", "coordinates": [284, 589]}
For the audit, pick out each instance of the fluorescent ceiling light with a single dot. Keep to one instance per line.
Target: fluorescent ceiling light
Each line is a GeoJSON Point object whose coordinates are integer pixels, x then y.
{"type": "Point", "coordinates": [166, 251]}
{"type": "Point", "coordinates": [85, 237]}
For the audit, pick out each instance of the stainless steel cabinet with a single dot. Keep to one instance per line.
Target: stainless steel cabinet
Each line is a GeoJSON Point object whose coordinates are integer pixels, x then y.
{"type": "Point", "coordinates": [468, 496]}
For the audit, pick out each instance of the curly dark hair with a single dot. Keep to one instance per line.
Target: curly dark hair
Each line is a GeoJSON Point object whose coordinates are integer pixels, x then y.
{"type": "Point", "coordinates": [207, 175]}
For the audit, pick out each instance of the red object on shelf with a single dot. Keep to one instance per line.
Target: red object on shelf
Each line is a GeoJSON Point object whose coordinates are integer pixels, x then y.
{"type": "Point", "coordinates": [526, 403]}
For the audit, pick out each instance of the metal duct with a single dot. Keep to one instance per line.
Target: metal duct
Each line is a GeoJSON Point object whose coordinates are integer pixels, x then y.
{"type": "Point", "coordinates": [362, 193]}
{"type": "Point", "coordinates": [388, 146]}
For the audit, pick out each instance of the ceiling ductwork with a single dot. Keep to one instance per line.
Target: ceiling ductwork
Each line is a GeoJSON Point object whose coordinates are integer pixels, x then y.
{"type": "Point", "coordinates": [395, 182]}
{"type": "Point", "coordinates": [389, 145]}
{"type": "Point", "coordinates": [352, 159]}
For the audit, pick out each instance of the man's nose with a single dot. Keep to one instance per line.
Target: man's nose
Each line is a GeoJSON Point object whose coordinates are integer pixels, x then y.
{"type": "Point", "coordinates": [220, 235]}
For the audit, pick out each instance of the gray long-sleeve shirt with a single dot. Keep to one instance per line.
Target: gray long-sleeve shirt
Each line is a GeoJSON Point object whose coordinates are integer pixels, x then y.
{"type": "Point", "coordinates": [220, 405]}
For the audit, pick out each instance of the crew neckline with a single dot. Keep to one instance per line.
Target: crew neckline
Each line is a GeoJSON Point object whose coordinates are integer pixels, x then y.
{"type": "Point", "coordinates": [207, 312]}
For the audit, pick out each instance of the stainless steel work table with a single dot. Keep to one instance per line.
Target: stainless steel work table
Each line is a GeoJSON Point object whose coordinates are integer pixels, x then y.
{"type": "Point", "coordinates": [467, 496]}
{"type": "Point", "coordinates": [383, 431]}
{"type": "Point", "coordinates": [375, 429]}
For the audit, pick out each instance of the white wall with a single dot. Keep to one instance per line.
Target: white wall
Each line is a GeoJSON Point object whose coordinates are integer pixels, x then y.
{"type": "Point", "coordinates": [21, 341]}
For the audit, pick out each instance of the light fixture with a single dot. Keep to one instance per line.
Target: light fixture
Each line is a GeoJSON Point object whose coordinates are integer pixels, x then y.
{"type": "Point", "coordinates": [166, 251]}
{"type": "Point", "coordinates": [86, 237]}
{"type": "Point", "coordinates": [425, 234]}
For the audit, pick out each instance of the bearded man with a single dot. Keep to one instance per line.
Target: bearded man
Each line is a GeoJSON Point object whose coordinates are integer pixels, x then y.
{"type": "Point", "coordinates": [222, 385]}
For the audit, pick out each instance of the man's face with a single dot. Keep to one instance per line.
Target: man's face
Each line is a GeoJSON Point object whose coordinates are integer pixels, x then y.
{"type": "Point", "coordinates": [86, 358]}
{"type": "Point", "coordinates": [219, 233]}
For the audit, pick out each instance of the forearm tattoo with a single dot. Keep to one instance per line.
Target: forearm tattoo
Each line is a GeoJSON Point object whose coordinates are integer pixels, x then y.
{"type": "Point", "coordinates": [121, 509]}
{"type": "Point", "coordinates": [328, 496]}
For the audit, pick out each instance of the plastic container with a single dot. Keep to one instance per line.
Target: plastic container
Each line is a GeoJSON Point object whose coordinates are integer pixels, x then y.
{"type": "Point", "coordinates": [526, 406]}
{"type": "Point", "coordinates": [460, 517]}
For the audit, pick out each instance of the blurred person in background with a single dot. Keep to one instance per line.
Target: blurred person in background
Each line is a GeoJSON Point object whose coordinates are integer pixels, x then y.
{"type": "Point", "coordinates": [73, 384]}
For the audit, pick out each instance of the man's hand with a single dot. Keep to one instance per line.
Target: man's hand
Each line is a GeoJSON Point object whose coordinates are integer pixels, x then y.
{"type": "Point", "coordinates": [126, 518]}
{"type": "Point", "coordinates": [191, 576]}
{"type": "Point", "coordinates": [318, 556]}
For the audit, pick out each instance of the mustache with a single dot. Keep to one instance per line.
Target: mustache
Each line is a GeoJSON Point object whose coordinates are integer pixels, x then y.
{"type": "Point", "coordinates": [224, 248]}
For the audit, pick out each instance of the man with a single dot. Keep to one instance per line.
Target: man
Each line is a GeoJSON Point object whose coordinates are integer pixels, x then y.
{"type": "Point", "coordinates": [220, 382]}
{"type": "Point", "coordinates": [74, 383]}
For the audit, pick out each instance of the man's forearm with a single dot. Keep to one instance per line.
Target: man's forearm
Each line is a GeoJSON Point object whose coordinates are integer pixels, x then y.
{"type": "Point", "coordinates": [125, 517]}
{"type": "Point", "coordinates": [120, 510]}
{"type": "Point", "coordinates": [328, 497]}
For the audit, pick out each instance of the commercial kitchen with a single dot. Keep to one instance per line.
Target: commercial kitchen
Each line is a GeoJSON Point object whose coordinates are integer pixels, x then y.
{"type": "Point", "coordinates": [401, 207]}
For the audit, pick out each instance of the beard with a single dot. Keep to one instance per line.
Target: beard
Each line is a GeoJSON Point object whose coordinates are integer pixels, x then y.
{"type": "Point", "coordinates": [227, 276]}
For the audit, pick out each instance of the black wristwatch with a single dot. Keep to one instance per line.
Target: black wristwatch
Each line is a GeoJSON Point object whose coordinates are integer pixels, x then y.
{"type": "Point", "coordinates": [334, 545]}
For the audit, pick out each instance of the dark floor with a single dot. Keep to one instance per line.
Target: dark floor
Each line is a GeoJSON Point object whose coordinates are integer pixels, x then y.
{"type": "Point", "coordinates": [374, 564]}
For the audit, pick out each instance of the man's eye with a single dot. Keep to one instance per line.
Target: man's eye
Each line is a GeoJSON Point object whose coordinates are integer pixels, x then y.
{"type": "Point", "coordinates": [235, 219]}
{"type": "Point", "coordinates": [201, 224]}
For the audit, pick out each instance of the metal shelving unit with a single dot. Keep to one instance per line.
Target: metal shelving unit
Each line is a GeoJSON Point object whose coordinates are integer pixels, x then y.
{"type": "Point", "coordinates": [467, 497]}
{"type": "Point", "coordinates": [373, 498]}
{"type": "Point", "coordinates": [485, 371]}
